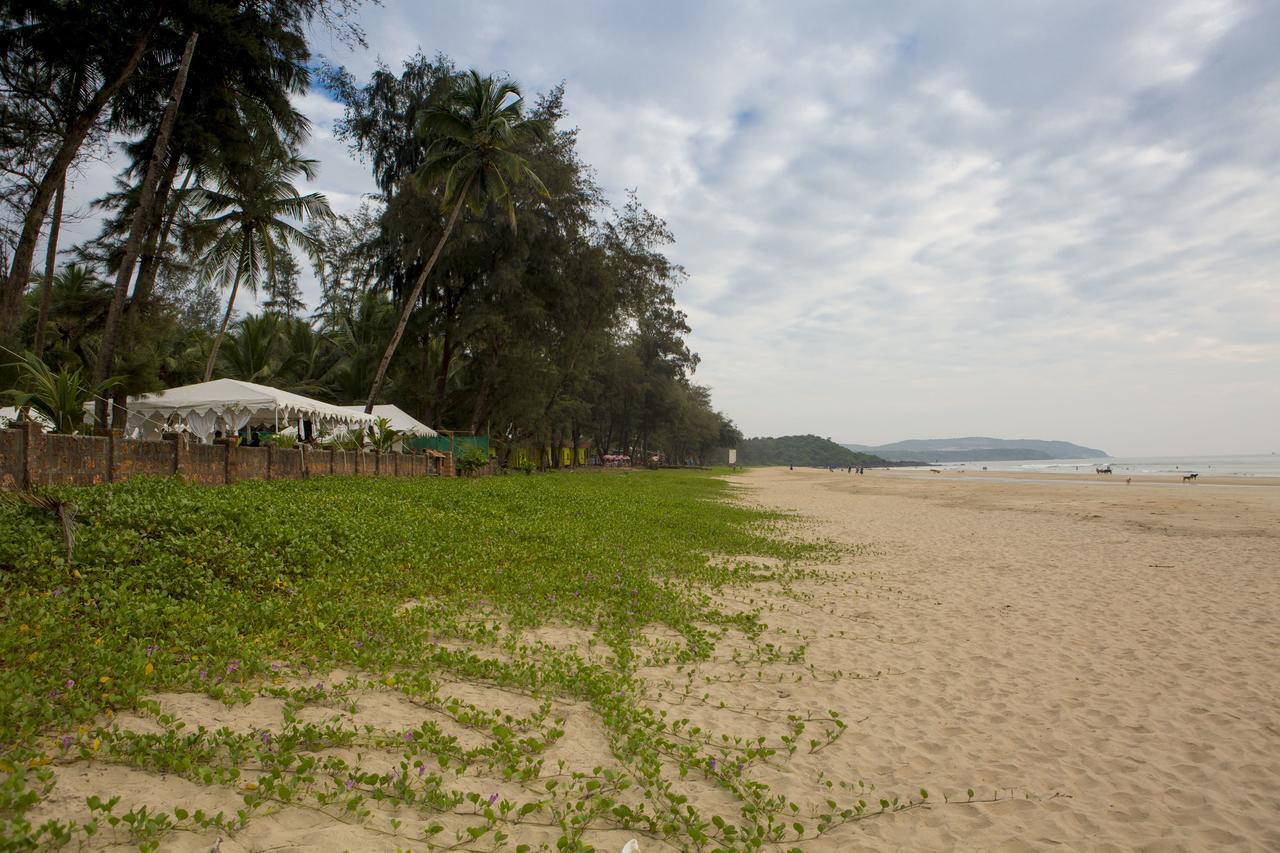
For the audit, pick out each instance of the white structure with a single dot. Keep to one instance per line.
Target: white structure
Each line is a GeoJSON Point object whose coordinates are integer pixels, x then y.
{"type": "Point", "coordinates": [230, 405]}
{"type": "Point", "coordinates": [9, 415]}
{"type": "Point", "coordinates": [399, 418]}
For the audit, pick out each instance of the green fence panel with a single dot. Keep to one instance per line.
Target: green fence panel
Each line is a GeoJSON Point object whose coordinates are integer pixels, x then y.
{"type": "Point", "coordinates": [459, 444]}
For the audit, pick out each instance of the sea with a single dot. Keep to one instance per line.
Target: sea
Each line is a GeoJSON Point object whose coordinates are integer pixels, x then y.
{"type": "Point", "coordinates": [1257, 465]}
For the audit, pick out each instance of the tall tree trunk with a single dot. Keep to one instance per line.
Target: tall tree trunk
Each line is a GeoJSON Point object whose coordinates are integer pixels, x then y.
{"type": "Point", "coordinates": [50, 265]}
{"type": "Point", "coordinates": [222, 329]}
{"type": "Point", "coordinates": [424, 368]}
{"type": "Point", "coordinates": [120, 407]}
{"type": "Point", "coordinates": [442, 378]}
{"type": "Point", "coordinates": [381, 375]}
{"type": "Point", "coordinates": [157, 237]}
{"type": "Point", "coordinates": [142, 218]}
{"type": "Point", "coordinates": [77, 130]}
{"type": "Point", "coordinates": [482, 400]}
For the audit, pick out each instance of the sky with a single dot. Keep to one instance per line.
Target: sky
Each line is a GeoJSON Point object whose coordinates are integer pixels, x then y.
{"type": "Point", "coordinates": [1055, 220]}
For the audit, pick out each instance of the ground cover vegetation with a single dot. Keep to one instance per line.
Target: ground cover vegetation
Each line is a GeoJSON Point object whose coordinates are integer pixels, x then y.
{"type": "Point", "coordinates": [487, 286]}
{"type": "Point", "coordinates": [496, 663]}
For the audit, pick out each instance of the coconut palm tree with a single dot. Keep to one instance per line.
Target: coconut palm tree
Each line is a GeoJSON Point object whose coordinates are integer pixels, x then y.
{"type": "Point", "coordinates": [244, 226]}
{"type": "Point", "coordinates": [472, 140]}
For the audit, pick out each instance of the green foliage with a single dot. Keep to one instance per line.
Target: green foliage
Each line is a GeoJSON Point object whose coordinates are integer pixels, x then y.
{"type": "Point", "coordinates": [59, 396]}
{"type": "Point", "coordinates": [470, 460]}
{"type": "Point", "coordinates": [178, 589]}
{"type": "Point", "coordinates": [282, 441]}
{"type": "Point", "coordinates": [382, 436]}
{"type": "Point", "coordinates": [805, 450]}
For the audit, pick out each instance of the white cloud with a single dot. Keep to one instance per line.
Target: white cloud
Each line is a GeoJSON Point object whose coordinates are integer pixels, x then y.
{"type": "Point", "coordinates": [928, 218]}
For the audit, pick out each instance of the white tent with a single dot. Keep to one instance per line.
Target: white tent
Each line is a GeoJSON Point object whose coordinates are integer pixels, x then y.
{"type": "Point", "coordinates": [399, 418]}
{"type": "Point", "coordinates": [230, 405]}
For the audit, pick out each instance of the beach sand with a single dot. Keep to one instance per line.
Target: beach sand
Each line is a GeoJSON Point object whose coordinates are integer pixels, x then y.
{"type": "Point", "coordinates": [1106, 656]}
{"type": "Point", "coordinates": [1099, 662]}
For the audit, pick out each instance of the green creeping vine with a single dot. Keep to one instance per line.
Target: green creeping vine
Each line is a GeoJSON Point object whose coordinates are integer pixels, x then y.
{"type": "Point", "coordinates": [258, 592]}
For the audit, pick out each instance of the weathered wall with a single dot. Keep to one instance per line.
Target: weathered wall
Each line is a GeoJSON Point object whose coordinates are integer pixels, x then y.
{"type": "Point", "coordinates": [246, 463]}
{"type": "Point", "coordinates": [286, 464]}
{"type": "Point", "coordinates": [76, 460]}
{"type": "Point", "coordinates": [203, 463]}
{"type": "Point", "coordinates": [30, 459]}
{"type": "Point", "coordinates": [11, 457]}
{"type": "Point", "coordinates": [344, 463]}
{"type": "Point", "coordinates": [132, 458]}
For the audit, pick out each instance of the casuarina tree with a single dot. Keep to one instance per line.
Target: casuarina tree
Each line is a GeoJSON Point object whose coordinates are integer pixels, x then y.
{"type": "Point", "coordinates": [472, 144]}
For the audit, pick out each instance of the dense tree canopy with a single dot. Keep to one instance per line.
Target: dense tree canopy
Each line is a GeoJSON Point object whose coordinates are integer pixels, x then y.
{"type": "Point", "coordinates": [488, 287]}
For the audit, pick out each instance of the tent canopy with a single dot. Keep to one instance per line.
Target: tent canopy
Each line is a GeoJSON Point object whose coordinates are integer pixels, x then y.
{"type": "Point", "coordinates": [399, 418]}
{"type": "Point", "coordinates": [231, 404]}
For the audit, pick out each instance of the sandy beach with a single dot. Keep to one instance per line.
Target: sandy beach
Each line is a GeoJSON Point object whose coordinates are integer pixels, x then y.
{"type": "Point", "coordinates": [1096, 661]}
{"type": "Point", "coordinates": [1104, 656]}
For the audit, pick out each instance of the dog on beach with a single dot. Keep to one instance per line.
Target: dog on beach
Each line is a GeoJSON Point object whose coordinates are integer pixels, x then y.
{"type": "Point", "coordinates": [1187, 478]}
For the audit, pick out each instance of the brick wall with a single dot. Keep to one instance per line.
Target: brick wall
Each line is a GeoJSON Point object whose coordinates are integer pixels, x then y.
{"type": "Point", "coordinates": [30, 458]}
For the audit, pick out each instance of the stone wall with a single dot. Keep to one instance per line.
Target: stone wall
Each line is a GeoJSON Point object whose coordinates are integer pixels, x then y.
{"type": "Point", "coordinates": [132, 458]}
{"type": "Point", "coordinates": [30, 458]}
{"type": "Point", "coordinates": [246, 463]}
{"type": "Point", "coordinates": [76, 460]}
{"type": "Point", "coordinates": [12, 456]}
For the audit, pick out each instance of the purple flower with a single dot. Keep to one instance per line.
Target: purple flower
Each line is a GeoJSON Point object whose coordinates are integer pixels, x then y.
{"type": "Point", "coordinates": [151, 650]}
{"type": "Point", "coordinates": [66, 741]}
{"type": "Point", "coordinates": [408, 737]}
{"type": "Point", "coordinates": [493, 798]}
{"type": "Point", "coordinates": [275, 667]}
{"type": "Point", "coordinates": [53, 695]}
{"type": "Point", "coordinates": [70, 683]}
{"type": "Point", "coordinates": [351, 783]}
{"type": "Point", "coordinates": [233, 666]}
{"type": "Point", "coordinates": [422, 768]}
{"type": "Point", "coordinates": [713, 764]}
{"type": "Point", "coordinates": [204, 673]}
{"type": "Point", "coordinates": [266, 738]}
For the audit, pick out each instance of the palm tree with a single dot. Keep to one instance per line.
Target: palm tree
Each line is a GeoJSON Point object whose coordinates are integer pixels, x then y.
{"type": "Point", "coordinates": [253, 347]}
{"type": "Point", "coordinates": [244, 226]}
{"type": "Point", "coordinates": [59, 397]}
{"type": "Point", "coordinates": [472, 137]}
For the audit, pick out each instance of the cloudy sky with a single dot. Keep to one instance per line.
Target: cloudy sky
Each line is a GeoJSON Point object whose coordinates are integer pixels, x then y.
{"type": "Point", "coordinates": [1052, 220]}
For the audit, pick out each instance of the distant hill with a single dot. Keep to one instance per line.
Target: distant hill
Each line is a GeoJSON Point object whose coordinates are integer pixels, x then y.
{"type": "Point", "coordinates": [803, 450]}
{"type": "Point", "coordinates": [978, 449]}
